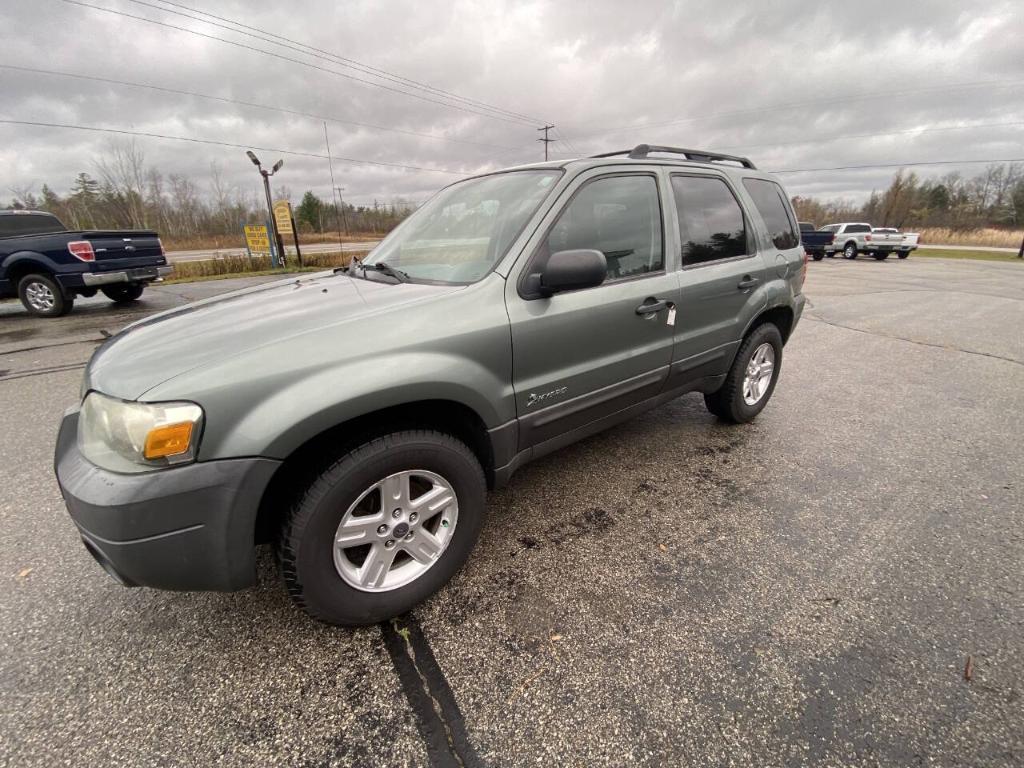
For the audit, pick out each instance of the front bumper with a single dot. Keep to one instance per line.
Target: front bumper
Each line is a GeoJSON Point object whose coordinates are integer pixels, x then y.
{"type": "Point", "coordinates": [142, 275]}
{"type": "Point", "coordinates": [183, 528]}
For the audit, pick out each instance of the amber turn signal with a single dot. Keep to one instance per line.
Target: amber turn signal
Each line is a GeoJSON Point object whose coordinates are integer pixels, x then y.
{"type": "Point", "coordinates": [168, 440]}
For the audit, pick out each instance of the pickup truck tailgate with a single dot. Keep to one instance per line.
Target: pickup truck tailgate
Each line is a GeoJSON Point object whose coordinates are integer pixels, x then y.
{"type": "Point", "coordinates": [884, 239]}
{"type": "Point", "coordinates": [120, 250]}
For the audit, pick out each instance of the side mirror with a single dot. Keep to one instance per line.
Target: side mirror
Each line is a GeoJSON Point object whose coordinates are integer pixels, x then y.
{"type": "Point", "coordinates": [572, 270]}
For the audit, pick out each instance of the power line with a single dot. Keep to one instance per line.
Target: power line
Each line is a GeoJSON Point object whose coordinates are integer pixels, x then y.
{"type": "Point", "coordinates": [319, 118]}
{"type": "Point", "coordinates": [195, 140]}
{"type": "Point", "coordinates": [902, 165]}
{"type": "Point", "coordinates": [811, 103]}
{"type": "Point", "coordinates": [357, 65]}
{"type": "Point", "coordinates": [295, 61]}
{"type": "Point", "coordinates": [872, 135]}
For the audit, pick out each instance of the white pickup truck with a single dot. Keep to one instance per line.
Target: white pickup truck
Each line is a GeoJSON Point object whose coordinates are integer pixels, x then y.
{"type": "Point", "coordinates": [909, 240]}
{"type": "Point", "coordinates": [852, 239]}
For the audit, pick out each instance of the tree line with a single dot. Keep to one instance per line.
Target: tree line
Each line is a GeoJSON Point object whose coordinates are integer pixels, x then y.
{"type": "Point", "coordinates": [125, 192]}
{"type": "Point", "coordinates": [993, 198]}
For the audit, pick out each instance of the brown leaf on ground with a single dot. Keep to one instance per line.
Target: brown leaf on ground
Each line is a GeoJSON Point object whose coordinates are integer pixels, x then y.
{"type": "Point", "coordinates": [969, 669]}
{"type": "Point", "coordinates": [663, 548]}
{"type": "Point", "coordinates": [24, 572]}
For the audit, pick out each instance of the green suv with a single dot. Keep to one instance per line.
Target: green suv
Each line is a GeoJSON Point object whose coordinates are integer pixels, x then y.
{"type": "Point", "coordinates": [355, 419]}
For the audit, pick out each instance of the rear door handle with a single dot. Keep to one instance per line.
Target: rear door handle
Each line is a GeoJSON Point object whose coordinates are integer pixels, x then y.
{"type": "Point", "coordinates": [747, 282]}
{"type": "Point", "coordinates": [650, 306]}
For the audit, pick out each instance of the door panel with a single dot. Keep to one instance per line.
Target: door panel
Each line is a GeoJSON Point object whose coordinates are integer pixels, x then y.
{"type": "Point", "coordinates": [583, 355]}
{"type": "Point", "coordinates": [722, 279]}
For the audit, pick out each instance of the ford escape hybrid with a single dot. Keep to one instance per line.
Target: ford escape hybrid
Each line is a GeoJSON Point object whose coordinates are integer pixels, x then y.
{"type": "Point", "coordinates": [356, 418]}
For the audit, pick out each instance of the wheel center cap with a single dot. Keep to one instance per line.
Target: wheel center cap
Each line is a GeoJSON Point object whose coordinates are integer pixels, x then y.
{"type": "Point", "coordinates": [400, 530]}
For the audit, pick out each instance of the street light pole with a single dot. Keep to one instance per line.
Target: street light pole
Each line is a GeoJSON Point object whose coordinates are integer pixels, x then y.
{"type": "Point", "coordinates": [270, 203]}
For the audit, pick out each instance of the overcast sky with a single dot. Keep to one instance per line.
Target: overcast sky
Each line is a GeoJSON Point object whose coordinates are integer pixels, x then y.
{"type": "Point", "coordinates": [793, 85]}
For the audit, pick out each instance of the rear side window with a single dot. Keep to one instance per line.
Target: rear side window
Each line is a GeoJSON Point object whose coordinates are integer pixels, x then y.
{"type": "Point", "coordinates": [771, 204]}
{"type": "Point", "coordinates": [711, 223]}
{"type": "Point", "coordinates": [619, 216]}
{"type": "Point", "coordinates": [29, 224]}
{"type": "Point", "coordinates": [855, 228]}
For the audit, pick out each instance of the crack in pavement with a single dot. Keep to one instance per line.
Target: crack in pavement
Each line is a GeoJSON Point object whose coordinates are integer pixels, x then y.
{"type": "Point", "coordinates": [818, 319]}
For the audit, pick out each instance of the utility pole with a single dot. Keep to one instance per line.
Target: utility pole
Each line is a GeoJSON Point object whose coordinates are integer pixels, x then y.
{"type": "Point", "coordinates": [278, 242]}
{"type": "Point", "coordinates": [341, 200]}
{"type": "Point", "coordinates": [1020, 254]}
{"type": "Point", "coordinates": [546, 140]}
{"type": "Point", "coordinates": [330, 164]}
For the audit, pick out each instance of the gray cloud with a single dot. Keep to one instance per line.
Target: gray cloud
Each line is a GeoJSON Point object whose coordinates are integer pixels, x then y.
{"type": "Point", "coordinates": [696, 74]}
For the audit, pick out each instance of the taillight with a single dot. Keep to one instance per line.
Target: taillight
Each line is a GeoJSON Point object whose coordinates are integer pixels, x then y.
{"type": "Point", "coordinates": [82, 250]}
{"type": "Point", "coordinates": [867, 237]}
{"type": "Point", "coordinates": [160, 244]}
{"type": "Point", "coordinates": [803, 272]}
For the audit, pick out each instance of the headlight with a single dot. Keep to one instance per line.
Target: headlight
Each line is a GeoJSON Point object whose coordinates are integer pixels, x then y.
{"type": "Point", "coordinates": [134, 437]}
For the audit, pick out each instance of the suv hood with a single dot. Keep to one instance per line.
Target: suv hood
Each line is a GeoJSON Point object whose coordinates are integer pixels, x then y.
{"type": "Point", "coordinates": [151, 351]}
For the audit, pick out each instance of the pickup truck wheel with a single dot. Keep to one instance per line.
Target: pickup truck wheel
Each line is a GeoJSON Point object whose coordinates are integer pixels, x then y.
{"type": "Point", "coordinates": [881, 256]}
{"type": "Point", "coordinates": [751, 380]}
{"type": "Point", "coordinates": [124, 293]}
{"type": "Point", "coordinates": [903, 254]}
{"type": "Point", "coordinates": [41, 296]}
{"type": "Point", "coordinates": [817, 256]}
{"type": "Point", "coordinates": [850, 251]}
{"type": "Point", "coordinates": [383, 527]}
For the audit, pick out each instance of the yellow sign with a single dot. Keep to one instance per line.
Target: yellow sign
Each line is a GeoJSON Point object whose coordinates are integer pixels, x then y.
{"type": "Point", "coordinates": [283, 217]}
{"type": "Point", "coordinates": [257, 239]}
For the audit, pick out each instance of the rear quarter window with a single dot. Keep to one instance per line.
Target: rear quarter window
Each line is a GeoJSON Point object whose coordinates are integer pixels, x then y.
{"type": "Point", "coordinates": [770, 201]}
{"type": "Point", "coordinates": [854, 229]}
{"type": "Point", "coordinates": [15, 224]}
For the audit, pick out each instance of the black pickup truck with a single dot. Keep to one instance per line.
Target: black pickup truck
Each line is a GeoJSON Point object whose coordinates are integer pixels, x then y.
{"type": "Point", "coordinates": [814, 241]}
{"type": "Point", "coordinates": [46, 266]}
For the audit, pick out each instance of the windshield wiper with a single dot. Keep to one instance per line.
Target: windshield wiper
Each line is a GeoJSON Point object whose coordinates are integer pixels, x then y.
{"type": "Point", "coordinates": [385, 269]}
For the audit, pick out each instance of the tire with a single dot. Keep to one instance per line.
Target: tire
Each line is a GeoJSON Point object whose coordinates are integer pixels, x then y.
{"type": "Point", "coordinates": [42, 297]}
{"type": "Point", "coordinates": [321, 577]}
{"type": "Point", "coordinates": [728, 403]}
{"type": "Point", "coordinates": [903, 254]}
{"type": "Point", "coordinates": [817, 256]}
{"type": "Point", "coordinates": [880, 256]}
{"type": "Point", "coordinates": [850, 251]}
{"type": "Point", "coordinates": [124, 293]}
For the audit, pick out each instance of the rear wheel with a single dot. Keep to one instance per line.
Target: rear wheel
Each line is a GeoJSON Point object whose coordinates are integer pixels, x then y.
{"type": "Point", "coordinates": [850, 251]}
{"type": "Point", "coordinates": [817, 256]}
{"type": "Point", "coordinates": [881, 256]}
{"type": "Point", "coordinates": [383, 528]}
{"type": "Point", "coordinates": [904, 254]}
{"type": "Point", "coordinates": [751, 381]}
{"type": "Point", "coordinates": [123, 293]}
{"type": "Point", "coordinates": [41, 296]}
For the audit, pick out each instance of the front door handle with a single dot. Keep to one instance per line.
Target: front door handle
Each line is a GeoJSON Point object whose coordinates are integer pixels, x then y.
{"type": "Point", "coordinates": [650, 306]}
{"type": "Point", "coordinates": [747, 282]}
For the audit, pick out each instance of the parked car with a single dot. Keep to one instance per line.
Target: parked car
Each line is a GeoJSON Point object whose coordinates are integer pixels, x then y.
{"type": "Point", "coordinates": [907, 244]}
{"type": "Point", "coordinates": [815, 241]}
{"type": "Point", "coordinates": [47, 266]}
{"type": "Point", "coordinates": [512, 314]}
{"type": "Point", "coordinates": [852, 239]}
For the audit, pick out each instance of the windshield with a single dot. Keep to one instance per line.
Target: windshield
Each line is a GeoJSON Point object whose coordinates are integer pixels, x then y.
{"type": "Point", "coordinates": [461, 233]}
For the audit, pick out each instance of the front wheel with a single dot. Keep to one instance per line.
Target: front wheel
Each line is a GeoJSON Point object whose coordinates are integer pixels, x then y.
{"type": "Point", "coordinates": [41, 296]}
{"type": "Point", "coordinates": [850, 251]}
{"type": "Point", "coordinates": [383, 528]}
{"type": "Point", "coordinates": [123, 293]}
{"type": "Point", "coordinates": [751, 381]}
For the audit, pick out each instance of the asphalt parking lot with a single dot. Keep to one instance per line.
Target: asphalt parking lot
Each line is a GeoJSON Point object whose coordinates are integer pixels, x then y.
{"type": "Point", "coordinates": [814, 588]}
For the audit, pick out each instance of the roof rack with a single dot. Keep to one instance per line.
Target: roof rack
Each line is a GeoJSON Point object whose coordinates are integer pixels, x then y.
{"type": "Point", "coordinates": [641, 151]}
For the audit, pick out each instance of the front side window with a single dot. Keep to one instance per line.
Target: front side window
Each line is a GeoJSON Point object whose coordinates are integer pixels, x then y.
{"type": "Point", "coordinates": [710, 220]}
{"type": "Point", "coordinates": [771, 204]}
{"type": "Point", "coordinates": [619, 216]}
{"type": "Point", "coordinates": [463, 231]}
